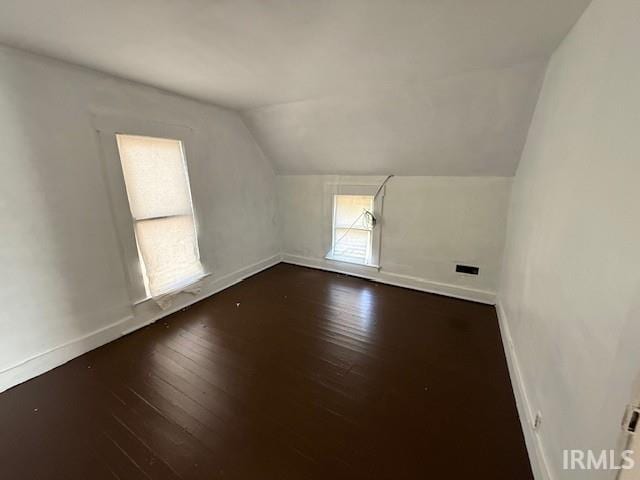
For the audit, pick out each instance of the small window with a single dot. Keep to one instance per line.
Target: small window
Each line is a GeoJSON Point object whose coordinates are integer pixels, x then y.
{"type": "Point", "coordinates": [353, 224]}
{"type": "Point", "coordinates": [157, 184]}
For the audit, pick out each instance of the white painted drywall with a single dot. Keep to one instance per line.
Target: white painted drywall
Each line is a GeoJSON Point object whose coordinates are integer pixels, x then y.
{"type": "Point", "coordinates": [62, 275]}
{"type": "Point", "coordinates": [251, 53]}
{"type": "Point", "coordinates": [472, 123]}
{"type": "Point", "coordinates": [571, 284]}
{"type": "Point", "coordinates": [429, 224]}
{"type": "Point", "coordinates": [418, 87]}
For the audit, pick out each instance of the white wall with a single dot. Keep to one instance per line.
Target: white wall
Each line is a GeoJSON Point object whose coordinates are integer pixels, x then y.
{"type": "Point", "coordinates": [570, 291]}
{"type": "Point", "coordinates": [471, 123]}
{"type": "Point", "coordinates": [62, 275]}
{"type": "Point", "coordinates": [429, 225]}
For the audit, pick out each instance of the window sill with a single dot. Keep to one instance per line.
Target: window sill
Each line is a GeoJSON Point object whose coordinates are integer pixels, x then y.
{"type": "Point", "coordinates": [173, 292]}
{"type": "Point", "coordinates": [351, 262]}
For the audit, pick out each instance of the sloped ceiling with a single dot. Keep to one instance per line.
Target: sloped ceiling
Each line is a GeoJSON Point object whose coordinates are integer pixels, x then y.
{"type": "Point", "coordinates": [413, 87]}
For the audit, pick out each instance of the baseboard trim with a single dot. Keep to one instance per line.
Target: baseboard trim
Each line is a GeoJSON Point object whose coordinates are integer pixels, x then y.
{"type": "Point", "coordinates": [395, 279]}
{"type": "Point", "coordinates": [537, 456]}
{"type": "Point", "coordinates": [144, 314]}
{"type": "Point", "coordinates": [54, 357]}
{"type": "Point", "coordinates": [148, 312]}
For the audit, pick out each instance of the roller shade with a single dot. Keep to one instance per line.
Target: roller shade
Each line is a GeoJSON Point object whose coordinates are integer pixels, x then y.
{"type": "Point", "coordinates": [157, 184]}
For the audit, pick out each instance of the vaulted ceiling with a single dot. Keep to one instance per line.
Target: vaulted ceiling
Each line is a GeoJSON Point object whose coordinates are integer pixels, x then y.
{"type": "Point", "coordinates": [413, 87]}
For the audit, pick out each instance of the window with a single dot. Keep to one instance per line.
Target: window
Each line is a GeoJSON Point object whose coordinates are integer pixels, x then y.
{"type": "Point", "coordinates": [352, 228]}
{"type": "Point", "coordinates": [157, 186]}
{"type": "Point", "coordinates": [353, 215]}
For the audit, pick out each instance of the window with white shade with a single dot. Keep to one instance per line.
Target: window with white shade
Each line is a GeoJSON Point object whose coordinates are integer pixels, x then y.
{"type": "Point", "coordinates": [157, 185]}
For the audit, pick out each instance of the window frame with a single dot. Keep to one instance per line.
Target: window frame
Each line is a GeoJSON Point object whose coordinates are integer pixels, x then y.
{"type": "Point", "coordinates": [106, 128]}
{"type": "Point", "coordinates": [335, 227]}
{"type": "Point", "coordinates": [331, 190]}
{"type": "Point", "coordinates": [136, 221]}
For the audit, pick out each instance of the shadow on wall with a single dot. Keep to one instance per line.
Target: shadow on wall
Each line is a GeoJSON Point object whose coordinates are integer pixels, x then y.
{"type": "Point", "coordinates": [62, 274]}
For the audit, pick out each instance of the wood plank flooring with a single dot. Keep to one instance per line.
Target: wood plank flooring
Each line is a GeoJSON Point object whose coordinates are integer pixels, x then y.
{"type": "Point", "coordinates": [292, 374]}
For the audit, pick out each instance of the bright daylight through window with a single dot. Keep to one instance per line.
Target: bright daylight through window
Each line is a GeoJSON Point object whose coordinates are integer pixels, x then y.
{"type": "Point", "coordinates": [353, 224]}
{"type": "Point", "coordinates": [157, 184]}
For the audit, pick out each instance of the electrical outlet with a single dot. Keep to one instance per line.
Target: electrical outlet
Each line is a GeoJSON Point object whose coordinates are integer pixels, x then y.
{"type": "Point", "coordinates": [537, 421]}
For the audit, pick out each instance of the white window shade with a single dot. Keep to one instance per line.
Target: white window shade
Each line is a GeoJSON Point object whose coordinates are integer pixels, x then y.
{"type": "Point", "coordinates": [169, 252]}
{"type": "Point", "coordinates": [155, 175]}
{"type": "Point", "coordinates": [157, 186]}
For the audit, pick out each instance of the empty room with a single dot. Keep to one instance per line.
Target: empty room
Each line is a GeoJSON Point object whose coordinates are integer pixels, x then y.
{"type": "Point", "coordinates": [319, 239]}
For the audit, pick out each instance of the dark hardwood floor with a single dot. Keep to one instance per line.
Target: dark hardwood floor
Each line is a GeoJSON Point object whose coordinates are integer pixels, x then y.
{"type": "Point", "coordinates": [292, 374]}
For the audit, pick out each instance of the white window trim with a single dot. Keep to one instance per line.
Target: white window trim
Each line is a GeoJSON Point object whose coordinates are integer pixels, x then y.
{"type": "Point", "coordinates": [353, 189]}
{"type": "Point", "coordinates": [106, 127]}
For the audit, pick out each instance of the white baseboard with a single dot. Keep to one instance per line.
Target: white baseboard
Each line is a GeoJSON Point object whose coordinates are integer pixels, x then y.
{"type": "Point", "coordinates": [144, 314]}
{"type": "Point", "coordinates": [537, 457]}
{"type": "Point", "coordinates": [149, 312]}
{"type": "Point", "coordinates": [396, 279]}
{"type": "Point", "coordinates": [43, 362]}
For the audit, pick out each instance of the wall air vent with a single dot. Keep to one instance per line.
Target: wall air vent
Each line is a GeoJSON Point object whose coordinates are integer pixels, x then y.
{"type": "Point", "coordinates": [468, 269]}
